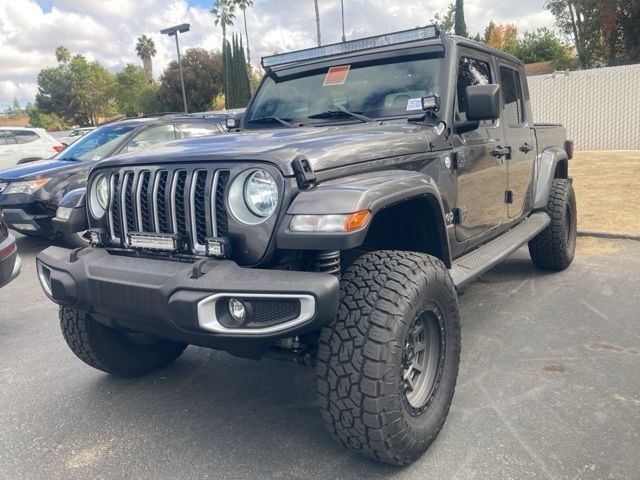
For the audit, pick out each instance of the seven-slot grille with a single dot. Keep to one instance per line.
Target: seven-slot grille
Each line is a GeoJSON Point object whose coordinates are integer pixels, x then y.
{"type": "Point", "coordinates": [188, 203]}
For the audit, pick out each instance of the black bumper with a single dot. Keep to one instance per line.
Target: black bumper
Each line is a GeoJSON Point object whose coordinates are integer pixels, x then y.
{"type": "Point", "coordinates": [166, 298]}
{"type": "Point", "coordinates": [21, 220]}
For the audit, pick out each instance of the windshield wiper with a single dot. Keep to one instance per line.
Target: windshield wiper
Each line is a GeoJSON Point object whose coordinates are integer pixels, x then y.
{"type": "Point", "coordinates": [272, 119]}
{"type": "Point", "coordinates": [341, 112]}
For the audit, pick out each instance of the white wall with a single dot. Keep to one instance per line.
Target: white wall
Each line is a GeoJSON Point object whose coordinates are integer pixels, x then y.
{"type": "Point", "coordinates": [599, 107]}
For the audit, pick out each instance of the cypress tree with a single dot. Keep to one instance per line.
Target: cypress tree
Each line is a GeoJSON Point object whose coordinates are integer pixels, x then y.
{"type": "Point", "coordinates": [460, 26]}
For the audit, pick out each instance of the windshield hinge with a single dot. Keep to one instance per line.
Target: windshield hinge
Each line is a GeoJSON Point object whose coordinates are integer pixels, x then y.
{"type": "Point", "coordinates": [304, 173]}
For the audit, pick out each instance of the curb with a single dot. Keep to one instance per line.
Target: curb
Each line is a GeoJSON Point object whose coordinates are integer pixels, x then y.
{"type": "Point", "coordinates": [598, 234]}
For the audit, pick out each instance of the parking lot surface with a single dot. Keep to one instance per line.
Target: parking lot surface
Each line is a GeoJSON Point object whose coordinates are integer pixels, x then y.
{"type": "Point", "coordinates": [549, 387]}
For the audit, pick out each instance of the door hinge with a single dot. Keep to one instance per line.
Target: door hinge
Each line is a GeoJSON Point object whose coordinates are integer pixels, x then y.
{"type": "Point", "coordinates": [509, 196]}
{"type": "Point", "coordinates": [305, 175]}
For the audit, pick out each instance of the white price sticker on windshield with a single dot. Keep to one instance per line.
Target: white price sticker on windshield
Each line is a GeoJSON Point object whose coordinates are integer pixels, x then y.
{"type": "Point", "coordinates": [414, 104]}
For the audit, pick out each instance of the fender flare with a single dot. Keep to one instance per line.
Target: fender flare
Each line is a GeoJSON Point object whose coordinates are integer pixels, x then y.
{"type": "Point", "coordinates": [548, 161]}
{"type": "Point", "coordinates": [372, 191]}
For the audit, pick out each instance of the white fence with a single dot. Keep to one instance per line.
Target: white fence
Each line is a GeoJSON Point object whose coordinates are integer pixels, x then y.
{"type": "Point", "coordinates": [599, 107]}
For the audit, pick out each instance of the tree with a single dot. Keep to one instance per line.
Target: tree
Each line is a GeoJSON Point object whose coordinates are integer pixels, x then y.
{"type": "Point", "coordinates": [318, 22]}
{"type": "Point", "coordinates": [146, 50]}
{"type": "Point", "coordinates": [581, 20]}
{"type": "Point", "coordinates": [445, 22]}
{"type": "Point", "coordinates": [94, 93]}
{"type": "Point", "coordinates": [460, 26]}
{"type": "Point", "coordinates": [202, 81]}
{"type": "Point", "coordinates": [504, 37]}
{"type": "Point", "coordinates": [131, 82]}
{"type": "Point", "coordinates": [224, 13]}
{"type": "Point", "coordinates": [63, 55]}
{"type": "Point", "coordinates": [40, 119]}
{"type": "Point", "coordinates": [243, 5]}
{"type": "Point", "coordinates": [540, 46]}
{"type": "Point", "coordinates": [488, 30]}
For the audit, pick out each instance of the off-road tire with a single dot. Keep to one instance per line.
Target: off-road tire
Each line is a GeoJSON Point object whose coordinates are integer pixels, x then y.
{"type": "Point", "coordinates": [360, 355]}
{"type": "Point", "coordinates": [74, 240]}
{"type": "Point", "coordinates": [554, 247]}
{"type": "Point", "coordinates": [110, 350]}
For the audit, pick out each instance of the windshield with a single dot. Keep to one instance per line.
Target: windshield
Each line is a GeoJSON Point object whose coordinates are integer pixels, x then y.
{"type": "Point", "coordinates": [96, 144]}
{"type": "Point", "coordinates": [388, 88]}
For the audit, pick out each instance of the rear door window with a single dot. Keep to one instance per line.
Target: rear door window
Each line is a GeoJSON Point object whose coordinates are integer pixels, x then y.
{"type": "Point", "coordinates": [25, 136]}
{"type": "Point", "coordinates": [6, 138]}
{"type": "Point", "coordinates": [512, 97]}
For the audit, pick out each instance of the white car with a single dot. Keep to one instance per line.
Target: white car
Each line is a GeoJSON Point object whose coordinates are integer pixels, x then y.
{"type": "Point", "coordinates": [75, 135]}
{"type": "Point", "coordinates": [25, 143]}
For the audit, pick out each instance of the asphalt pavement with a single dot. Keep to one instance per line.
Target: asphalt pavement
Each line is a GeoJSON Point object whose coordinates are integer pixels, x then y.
{"type": "Point", "coordinates": [549, 388]}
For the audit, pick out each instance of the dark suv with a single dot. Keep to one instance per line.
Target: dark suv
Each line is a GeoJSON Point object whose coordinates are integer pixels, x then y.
{"type": "Point", "coordinates": [369, 181]}
{"type": "Point", "coordinates": [31, 193]}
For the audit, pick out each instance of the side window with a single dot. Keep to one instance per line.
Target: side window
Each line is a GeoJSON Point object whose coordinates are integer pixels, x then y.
{"type": "Point", "coordinates": [25, 136]}
{"type": "Point", "coordinates": [151, 136]}
{"type": "Point", "coordinates": [198, 130]}
{"type": "Point", "coordinates": [471, 71]}
{"type": "Point", "coordinates": [512, 97]}
{"type": "Point", "coordinates": [6, 138]}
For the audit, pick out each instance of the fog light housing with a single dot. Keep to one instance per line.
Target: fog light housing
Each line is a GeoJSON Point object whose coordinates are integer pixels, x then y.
{"type": "Point", "coordinates": [96, 237]}
{"type": "Point", "coordinates": [64, 213]}
{"type": "Point", "coordinates": [237, 310]}
{"type": "Point", "coordinates": [28, 227]}
{"type": "Point", "coordinates": [218, 247]}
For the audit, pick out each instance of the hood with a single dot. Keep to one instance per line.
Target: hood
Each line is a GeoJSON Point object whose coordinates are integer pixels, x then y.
{"type": "Point", "coordinates": [325, 147]}
{"type": "Point", "coordinates": [44, 168]}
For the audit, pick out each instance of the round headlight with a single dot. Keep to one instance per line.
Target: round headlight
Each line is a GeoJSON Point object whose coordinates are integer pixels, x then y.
{"type": "Point", "coordinates": [99, 196]}
{"type": "Point", "coordinates": [102, 192]}
{"type": "Point", "coordinates": [261, 193]}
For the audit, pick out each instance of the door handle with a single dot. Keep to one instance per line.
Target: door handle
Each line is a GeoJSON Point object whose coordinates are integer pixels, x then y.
{"type": "Point", "coordinates": [499, 152]}
{"type": "Point", "coordinates": [526, 148]}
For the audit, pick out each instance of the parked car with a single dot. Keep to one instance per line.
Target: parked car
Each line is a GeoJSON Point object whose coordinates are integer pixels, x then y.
{"type": "Point", "coordinates": [32, 192]}
{"type": "Point", "coordinates": [74, 135]}
{"type": "Point", "coordinates": [18, 144]}
{"type": "Point", "coordinates": [9, 259]}
{"type": "Point", "coordinates": [369, 181]}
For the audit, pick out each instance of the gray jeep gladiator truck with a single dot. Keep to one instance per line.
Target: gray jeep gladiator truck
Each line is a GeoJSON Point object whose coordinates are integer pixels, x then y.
{"type": "Point", "coordinates": [365, 184]}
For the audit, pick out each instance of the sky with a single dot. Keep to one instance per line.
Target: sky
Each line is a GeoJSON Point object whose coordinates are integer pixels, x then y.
{"type": "Point", "coordinates": [106, 30]}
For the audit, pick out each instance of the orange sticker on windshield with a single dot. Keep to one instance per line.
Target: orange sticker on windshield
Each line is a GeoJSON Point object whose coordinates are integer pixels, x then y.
{"type": "Point", "coordinates": [336, 75]}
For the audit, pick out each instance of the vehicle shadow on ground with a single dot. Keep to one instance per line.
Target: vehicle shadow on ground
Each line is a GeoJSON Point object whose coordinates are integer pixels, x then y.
{"type": "Point", "coordinates": [33, 245]}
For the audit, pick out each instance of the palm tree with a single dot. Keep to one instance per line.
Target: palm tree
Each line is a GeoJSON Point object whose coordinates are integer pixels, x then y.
{"type": "Point", "coordinates": [63, 54]}
{"type": "Point", "coordinates": [318, 22]}
{"type": "Point", "coordinates": [243, 5]}
{"type": "Point", "coordinates": [224, 11]}
{"type": "Point", "coordinates": [146, 50]}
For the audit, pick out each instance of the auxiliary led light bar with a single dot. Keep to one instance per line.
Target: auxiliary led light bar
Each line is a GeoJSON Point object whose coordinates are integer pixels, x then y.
{"type": "Point", "coordinates": [405, 36]}
{"type": "Point", "coordinates": [154, 241]}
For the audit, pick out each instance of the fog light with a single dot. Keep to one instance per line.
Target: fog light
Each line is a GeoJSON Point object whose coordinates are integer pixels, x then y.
{"type": "Point", "coordinates": [24, 226]}
{"type": "Point", "coordinates": [217, 247]}
{"type": "Point", "coordinates": [64, 213]}
{"type": "Point", "coordinates": [237, 310]}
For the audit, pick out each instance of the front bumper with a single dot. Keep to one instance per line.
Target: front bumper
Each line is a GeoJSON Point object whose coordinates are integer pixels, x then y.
{"type": "Point", "coordinates": [9, 262]}
{"type": "Point", "coordinates": [186, 301]}
{"type": "Point", "coordinates": [18, 219]}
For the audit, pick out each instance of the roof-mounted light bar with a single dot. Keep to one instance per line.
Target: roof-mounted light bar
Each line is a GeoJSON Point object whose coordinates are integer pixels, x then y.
{"type": "Point", "coordinates": [405, 36]}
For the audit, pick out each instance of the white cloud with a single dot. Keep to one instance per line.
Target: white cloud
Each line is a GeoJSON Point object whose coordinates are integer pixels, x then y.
{"type": "Point", "coordinates": [106, 30]}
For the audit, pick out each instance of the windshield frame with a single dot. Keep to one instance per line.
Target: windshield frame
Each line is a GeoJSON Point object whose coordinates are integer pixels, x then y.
{"type": "Point", "coordinates": [388, 56]}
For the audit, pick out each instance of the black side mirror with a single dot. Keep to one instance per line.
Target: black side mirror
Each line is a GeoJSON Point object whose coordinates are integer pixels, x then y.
{"type": "Point", "coordinates": [483, 102]}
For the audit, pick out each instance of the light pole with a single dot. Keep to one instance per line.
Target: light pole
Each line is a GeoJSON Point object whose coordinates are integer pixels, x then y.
{"type": "Point", "coordinates": [173, 32]}
{"type": "Point", "coordinates": [344, 38]}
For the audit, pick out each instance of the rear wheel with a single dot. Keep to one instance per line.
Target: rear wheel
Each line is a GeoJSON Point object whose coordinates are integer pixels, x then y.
{"type": "Point", "coordinates": [554, 247]}
{"type": "Point", "coordinates": [114, 351]}
{"type": "Point", "coordinates": [387, 366]}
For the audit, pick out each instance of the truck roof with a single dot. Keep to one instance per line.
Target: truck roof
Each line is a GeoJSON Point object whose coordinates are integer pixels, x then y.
{"type": "Point", "coordinates": [401, 40]}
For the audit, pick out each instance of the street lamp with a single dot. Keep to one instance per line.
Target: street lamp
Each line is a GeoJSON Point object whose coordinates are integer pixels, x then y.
{"type": "Point", "coordinates": [344, 38]}
{"type": "Point", "coordinates": [173, 32]}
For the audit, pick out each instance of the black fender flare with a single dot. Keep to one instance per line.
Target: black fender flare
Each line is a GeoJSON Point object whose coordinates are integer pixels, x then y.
{"type": "Point", "coordinates": [371, 191]}
{"type": "Point", "coordinates": [547, 162]}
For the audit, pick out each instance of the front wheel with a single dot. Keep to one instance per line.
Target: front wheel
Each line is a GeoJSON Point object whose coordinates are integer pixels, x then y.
{"type": "Point", "coordinates": [119, 353]}
{"type": "Point", "coordinates": [387, 366]}
{"type": "Point", "coordinates": [76, 240]}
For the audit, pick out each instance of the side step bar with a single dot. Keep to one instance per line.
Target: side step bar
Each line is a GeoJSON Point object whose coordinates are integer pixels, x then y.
{"type": "Point", "coordinates": [477, 262]}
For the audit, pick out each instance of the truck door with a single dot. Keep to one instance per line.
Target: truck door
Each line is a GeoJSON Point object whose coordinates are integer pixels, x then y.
{"type": "Point", "coordinates": [482, 178]}
{"type": "Point", "coordinates": [519, 135]}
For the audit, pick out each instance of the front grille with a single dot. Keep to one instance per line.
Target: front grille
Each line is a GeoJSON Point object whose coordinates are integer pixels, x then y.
{"type": "Point", "coordinates": [188, 203]}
